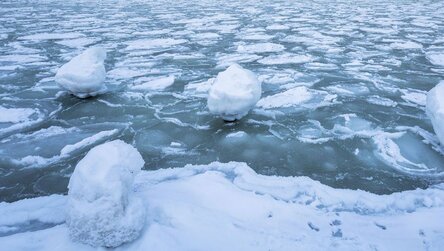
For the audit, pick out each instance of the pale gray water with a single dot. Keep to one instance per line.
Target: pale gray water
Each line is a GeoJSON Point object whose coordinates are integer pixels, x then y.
{"type": "Point", "coordinates": [365, 127]}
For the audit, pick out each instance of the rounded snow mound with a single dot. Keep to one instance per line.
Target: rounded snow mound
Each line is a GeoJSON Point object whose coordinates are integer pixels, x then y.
{"type": "Point", "coordinates": [85, 74]}
{"type": "Point", "coordinates": [435, 109]}
{"type": "Point", "coordinates": [234, 92]}
{"type": "Point", "coordinates": [102, 208]}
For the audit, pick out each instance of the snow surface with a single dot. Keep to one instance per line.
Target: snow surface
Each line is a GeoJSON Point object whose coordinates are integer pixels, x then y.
{"type": "Point", "coordinates": [435, 109]}
{"type": "Point", "coordinates": [102, 208]}
{"type": "Point", "coordinates": [84, 75]}
{"type": "Point", "coordinates": [234, 92]}
{"type": "Point", "coordinates": [230, 207]}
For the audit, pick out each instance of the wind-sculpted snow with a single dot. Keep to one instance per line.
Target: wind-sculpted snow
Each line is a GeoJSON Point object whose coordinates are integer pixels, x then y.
{"type": "Point", "coordinates": [344, 88]}
{"type": "Point", "coordinates": [230, 207]}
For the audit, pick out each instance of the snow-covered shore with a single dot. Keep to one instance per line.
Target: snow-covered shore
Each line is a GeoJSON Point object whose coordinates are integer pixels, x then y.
{"type": "Point", "coordinates": [230, 207]}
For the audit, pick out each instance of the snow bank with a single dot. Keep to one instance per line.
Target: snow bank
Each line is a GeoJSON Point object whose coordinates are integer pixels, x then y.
{"type": "Point", "coordinates": [435, 109]}
{"type": "Point", "coordinates": [85, 74]}
{"type": "Point", "coordinates": [234, 92]}
{"type": "Point", "coordinates": [230, 207]}
{"type": "Point", "coordinates": [102, 209]}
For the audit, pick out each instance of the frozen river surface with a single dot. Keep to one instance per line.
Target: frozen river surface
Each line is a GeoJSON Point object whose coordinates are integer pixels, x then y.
{"type": "Point", "coordinates": [344, 88]}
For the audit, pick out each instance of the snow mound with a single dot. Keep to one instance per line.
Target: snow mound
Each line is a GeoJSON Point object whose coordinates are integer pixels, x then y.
{"type": "Point", "coordinates": [435, 109]}
{"type": "Point", "coordinates": [102, 209]}
{"type": "Point", "coordinates": [85, 74]}
{"type": "Point", "coordinates": [234, 92]}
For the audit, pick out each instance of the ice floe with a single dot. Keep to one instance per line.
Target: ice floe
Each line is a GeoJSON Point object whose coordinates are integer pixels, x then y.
{"type": "Point", "coordinates": [260, 48]}
{"type": "Point", "coordinates": [285, 59]}
{"type": "Point", "coordinates": [436, 58]}
{"type": "Point", "coordinates": [298, 96]}
{"type": "Point", "coordinates": [16, 115]}
{"type": "Point", "coordinates": [156, 84]}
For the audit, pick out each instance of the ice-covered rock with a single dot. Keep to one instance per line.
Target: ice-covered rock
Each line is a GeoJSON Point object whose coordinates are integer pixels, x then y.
{"type": "Point", "coordinates": [234, 92]}
{"type": "Point", "coordinates": [85, 74]}
{"type": "Point", "coordinates": [102, 208]}
{"type": "Point", "coordinates": [435, 110]}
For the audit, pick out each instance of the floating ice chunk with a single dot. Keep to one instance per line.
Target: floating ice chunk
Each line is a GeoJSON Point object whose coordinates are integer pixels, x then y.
{"type": "Point", "coordinates": [77, 42]}
{"type": "Point", "coordinates": [406, 45]}
{"type": "Point", "coordinates": [260, 48]}
{"type": "Point", "coordinates": [84, 75]}
{"type": "Point", "coordinates": [285, 58]}
{"type": "Point", "coordinates": [238, 134]}
{"type": "Point", "coordinates": [155, 84]}
{"type": "Point", "coordinates": [102, 209]}
{"type": "Point", "coordinates": [199, 89]}
{"type": "Point", "coordinates": [377, 100]}
{"type": "Point", "coordinates": [414, 97]}
{"type": "Point", "coordinates": [52, 36]}
{"type": "Point", "coordinates": [146, 44]}
{"type": "Point", "coordinates": [125, 73]}
{"type": "Point", "coordinates": [389, 152]}
{"type": "Point", "coordinates": [234, 92]}
{"type": "Point", "coordinates": [435, 109]}
{"type": "Point", "coordinates": [288, 98]}
{"type": "Point", "coordinates": [256, 36]}
{"type": "Point", "coordinates": [321, 66]}
{"type": "Point", "coordinates": [277, 27]}
{"type": "Point", "coordinates": [227, 60]}
{"type": "Point", "coordinates": [16, 115]}
{"type": "Point", "coordinates": [436, 58]}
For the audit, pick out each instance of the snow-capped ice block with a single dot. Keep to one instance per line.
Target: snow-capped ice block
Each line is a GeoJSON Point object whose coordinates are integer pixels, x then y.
{"type": "Point", "coordinates": [234, 92]}
{"type": "Point", "coordinates": [102, 208]}
{"type": "Point", "coordinates": [85, 74]}
{"type": "Point", "coordinates": [435, 109]}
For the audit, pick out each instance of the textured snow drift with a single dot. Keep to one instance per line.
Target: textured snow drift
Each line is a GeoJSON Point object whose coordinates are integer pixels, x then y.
{"type": "Point", "coordinates": [102, 209]}
{"type": "Point", "coordinates": [234, 92]}
{"type": "Point", "coordinates": [84, 75]}
{"type": "Point", "coordinates": [230, 207]}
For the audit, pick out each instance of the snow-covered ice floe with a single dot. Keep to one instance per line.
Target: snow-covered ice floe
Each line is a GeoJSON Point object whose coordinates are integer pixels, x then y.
{"type": "Point", "coordinates": [435, 109]}
{"type": "Point", "coordinates": [102, 208]}
{"type": "Point", "coordinates": [234, 92]}
{"type": "Point", "coordinates": [231, 207]}
{"type": "Point", "coordinates": [85, 74]}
